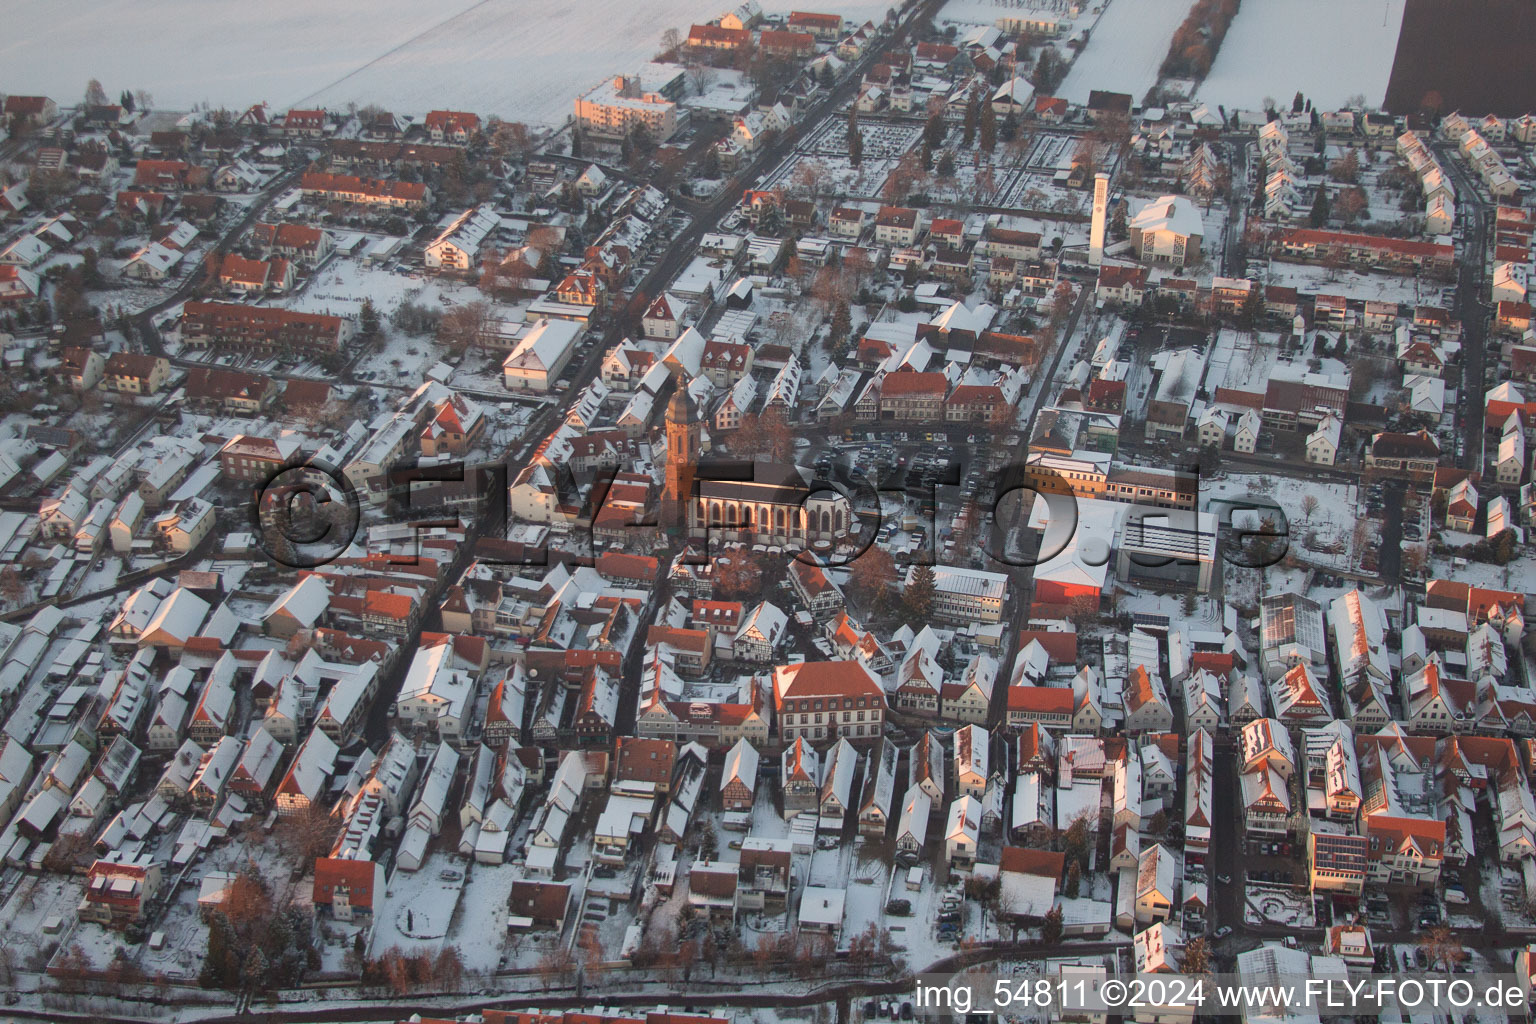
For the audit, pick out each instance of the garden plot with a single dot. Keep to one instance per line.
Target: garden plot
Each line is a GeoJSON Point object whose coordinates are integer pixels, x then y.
{"type": "Point", "coordinates": [837, 175]}
{"type": "Point", "coordinates": [881, 140]}
{"type": "Point", "coordinates": [1514, 576]}
{"type": "Point", "coordinates": [1311, 279]}
{"type": "Point", "coordinates": [32, 904]}
{"type": "Point", "coordinates": [884, 145]}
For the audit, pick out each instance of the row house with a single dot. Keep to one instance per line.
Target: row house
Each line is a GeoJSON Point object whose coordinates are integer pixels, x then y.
{"type": "Point", "coordinates": [298, 243]}
{"type": "Point", "coordinates": [373, 192]}
{"type": "Point", "coordinates": [1392, 254]}
{"type": "Point", "coordinates": [875, 802]}
{"type": "Point", "coordinates": [209, 324]}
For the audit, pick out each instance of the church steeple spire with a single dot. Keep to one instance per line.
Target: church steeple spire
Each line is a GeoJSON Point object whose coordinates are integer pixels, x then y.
{"type": "Point", "coordinates": [684, 438]}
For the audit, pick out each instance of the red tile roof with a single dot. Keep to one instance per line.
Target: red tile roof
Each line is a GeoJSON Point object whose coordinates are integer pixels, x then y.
{"type": "Point", "coordinates": [357, 876]}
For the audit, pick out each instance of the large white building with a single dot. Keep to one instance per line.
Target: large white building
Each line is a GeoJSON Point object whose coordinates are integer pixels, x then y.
{"type": "Point", "coordinates": [966, 595]}
{"type": "Point", "coordinates": [540, 356]}
{"type": "Point", "coordinates": [1168, 230]}
{"type": "Point", "coordinates": [620, 105]}
{"type": "Point", "coordinates": [458, 246]}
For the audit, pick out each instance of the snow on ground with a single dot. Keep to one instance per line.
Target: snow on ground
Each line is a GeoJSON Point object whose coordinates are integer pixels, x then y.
{"type": "Point", "coordinates": [987, 12]}
{"type": "Point", "coordinates": [521, 59]}
{"type": "Point", "coordinates": [1274, 47]}
{"type": "Point", "coordinates": [1355, 284]}
{"type": "Point", "coordinates": [341, 286]}
{"type": "Point", "coordinates": [1126, 48]}
{"type": "Point", "coordinates": [1322, 535]}
{"type": "Point", "coordinates": [1482, 574]}
{"type": "Point", "coordinates": [419, 907]}
{"type": "Point", "coordinates": [275, 52]}
{"type": "Point", "coordinates": [1273, 905]}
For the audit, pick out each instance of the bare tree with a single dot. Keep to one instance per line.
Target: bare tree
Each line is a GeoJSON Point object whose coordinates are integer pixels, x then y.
{"type": "Point", "coordinates": [1442, 946]}
{"type": "Point", "coordinates": [309, 833]}
{"type": "Point", "coordinates": [12, 587]}
{"type": "Point", "coordinates": [702, 76]}
{"type": "Point", "coordinates": [464, 326]}
{"type": "Point", "coordinates": [671, 41]}
{"type": "Point", "coordinates": [809, 178]}
{"type": "Point", "coordinates": [448, 969]}
{"type": "Point", "coordinates": [1197, 957]}
{"type": "Point", "coordinates": [508, 138]}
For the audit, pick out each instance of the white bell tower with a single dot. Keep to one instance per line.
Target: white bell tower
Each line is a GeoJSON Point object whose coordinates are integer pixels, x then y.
{"type": "Point", "coordinates": [1100, 211]}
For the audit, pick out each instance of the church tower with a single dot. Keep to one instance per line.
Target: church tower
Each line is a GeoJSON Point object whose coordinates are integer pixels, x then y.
{"type": "Point", "coordinates": [684, 438]}
{"type": "Point", "coordinates": [1100, 215]}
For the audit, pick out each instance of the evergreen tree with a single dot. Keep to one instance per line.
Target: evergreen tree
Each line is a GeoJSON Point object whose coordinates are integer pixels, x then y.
{"type": "Point", "coordinates": [1260, 180]}
{"type": "Point", "coordinates": [946, 166]}
{"type": "Point", "coordinates": [855, 138]}
{"type": "Point", "coordinates": [1299, 103]}
{"type": "Point", "coordinates": [1320, 207]}
{"type": "Point", "coordinates": [972, 115]}
{"type": "Point", "coordinates": [1051, 930]}
{"type": "Point", "coordinates": [575, 144]}
{"type": "Point", "coordinates": [1074, 880]}
{"type": "Point", "coordinates": [988, 127]}
{"type": "Point", "coordinates": [771, 220]}
{"type": "Point", "coordinates": [925, 152]}
{"type": "Point", "coordinates": [220, 949]}
{"type": "Point", "coordinates": [842, 323]}
{"type": "Point", "coordinates": [126, 101]}
{"type": "Point", "coordinates": [253, 973]}
{"type": "Point", "coordinates": [368, 320]}
{"type": "Point", "coordinates": [919, 594]}
{"type": "Point", "coordinates": [934, 131]}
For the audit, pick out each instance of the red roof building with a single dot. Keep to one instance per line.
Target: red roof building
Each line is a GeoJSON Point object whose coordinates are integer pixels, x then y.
{"type": "Point", "coordinates": [453, 125]}
{"type": "Point", "coordinates": [828, 699]}
{"type": "Point", "coordinates": [264, 328]}
{"type": "Point", "coordinates": [346, 188]}
{"type": "Point", "coordinates": [347, 887]}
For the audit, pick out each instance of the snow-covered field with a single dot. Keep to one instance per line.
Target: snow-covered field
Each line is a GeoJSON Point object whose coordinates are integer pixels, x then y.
{"type": "Point", "coordinates": [1126, 48]}
{"type": "Point", "coordinates": [519, 59]}
{"type": "Point", "coordinates": [987, 12]}
{"type": "Point", "coordinates": [1275, 47]}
